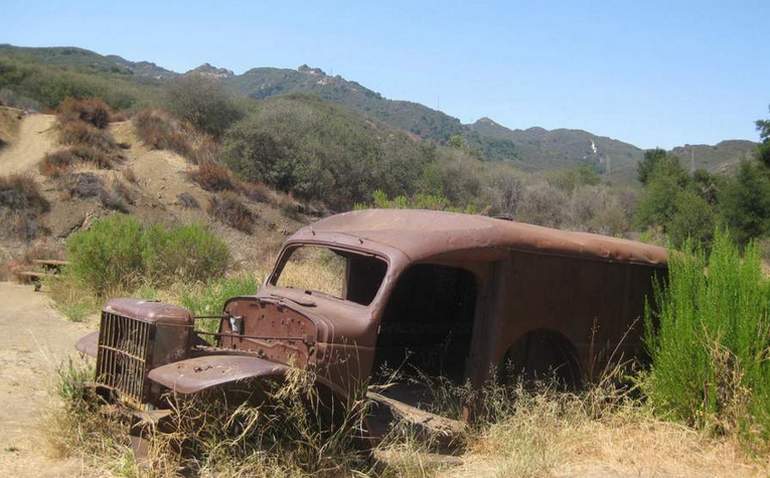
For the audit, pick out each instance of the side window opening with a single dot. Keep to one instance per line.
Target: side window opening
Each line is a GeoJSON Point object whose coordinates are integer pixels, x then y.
{"type": "Point", "coordinates": [428, 322]}
{"type": "Point", "coordinates": [342, 274]}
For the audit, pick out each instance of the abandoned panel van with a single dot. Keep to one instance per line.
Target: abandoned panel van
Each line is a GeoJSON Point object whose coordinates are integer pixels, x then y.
{"type": "Point", "coordinates": [351, 295]}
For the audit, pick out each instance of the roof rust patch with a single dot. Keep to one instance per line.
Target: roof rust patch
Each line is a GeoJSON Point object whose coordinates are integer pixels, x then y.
{"type": "Point", "coordinates": [421, 234]}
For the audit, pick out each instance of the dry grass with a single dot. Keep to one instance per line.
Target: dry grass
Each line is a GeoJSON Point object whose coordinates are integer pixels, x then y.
{"type": "Point", "coordinates": [314, 268]}
{"type": "Point", "coordinates": [541, 432]}
{"type": "Point", "coordinates": [554, 436]}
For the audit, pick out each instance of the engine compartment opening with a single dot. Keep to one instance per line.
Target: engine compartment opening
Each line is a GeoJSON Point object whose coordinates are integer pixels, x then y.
{"type": "Point", "coordinates": [428, 322]}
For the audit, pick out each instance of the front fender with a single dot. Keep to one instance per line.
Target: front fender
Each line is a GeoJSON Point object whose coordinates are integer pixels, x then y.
{"type": "Point", "coordinates": [88, 344]}
{"type": "Point", "coordinates": [200, 373]}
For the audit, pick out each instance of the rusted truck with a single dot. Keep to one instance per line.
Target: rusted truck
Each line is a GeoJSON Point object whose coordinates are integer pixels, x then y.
{"type": "Point", "coordinates": [448, 294]}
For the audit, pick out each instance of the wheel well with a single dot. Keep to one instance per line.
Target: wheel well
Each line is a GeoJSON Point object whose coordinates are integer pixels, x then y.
{"type": "Point", "coordinates": [542, 354]}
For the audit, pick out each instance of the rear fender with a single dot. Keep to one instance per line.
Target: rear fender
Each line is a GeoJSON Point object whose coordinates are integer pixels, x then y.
{"type": "Point", "coordinates": [201, 373]}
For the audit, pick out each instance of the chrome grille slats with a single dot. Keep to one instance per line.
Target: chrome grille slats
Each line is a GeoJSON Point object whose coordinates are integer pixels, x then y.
{"type": "Point", "coordinates": [123, 355]}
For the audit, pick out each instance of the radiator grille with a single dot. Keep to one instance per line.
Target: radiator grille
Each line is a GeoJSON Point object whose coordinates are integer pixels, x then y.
{"type": "Point", "coordinates": [123, 355]}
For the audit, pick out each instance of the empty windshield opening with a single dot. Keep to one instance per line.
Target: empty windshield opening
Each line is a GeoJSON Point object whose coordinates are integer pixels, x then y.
{"type": "Point", "coordinates": [342, 274]}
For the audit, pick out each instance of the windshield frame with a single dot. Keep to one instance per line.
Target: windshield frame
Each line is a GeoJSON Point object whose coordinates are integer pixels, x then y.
{"type": "Point", "coordinates": [286, 252]}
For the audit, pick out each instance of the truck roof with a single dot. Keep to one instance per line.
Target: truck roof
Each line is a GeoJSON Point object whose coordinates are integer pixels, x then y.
{"type": "Point", "coordinates": [421, 234]}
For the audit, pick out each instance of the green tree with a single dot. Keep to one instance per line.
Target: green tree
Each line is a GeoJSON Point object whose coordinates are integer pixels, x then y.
{"type": "Point", "coordinates": [693, 219]}
{"type": "Point", "coordinates": [203, 103]}
{"type": "Point", "coordinates": [745, 202]}
{"type": "Point", "coordinates": [658, 160]}
{"type": "Point", "coordinates": [764, 147]}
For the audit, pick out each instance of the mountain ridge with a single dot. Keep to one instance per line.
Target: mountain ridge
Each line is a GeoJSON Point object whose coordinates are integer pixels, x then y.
{"type": "Point", "coordinates": [531, 149]}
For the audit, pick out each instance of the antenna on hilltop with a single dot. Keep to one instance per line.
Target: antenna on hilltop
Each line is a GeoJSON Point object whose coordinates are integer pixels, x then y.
{"type": "Point", "coordinates": [692, 161]}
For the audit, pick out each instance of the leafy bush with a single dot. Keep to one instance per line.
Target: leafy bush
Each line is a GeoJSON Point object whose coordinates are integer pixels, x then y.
{"type": "Point", "coordinates": [319, 151]}
{"type": "Point", "coordinates": [117, 252]}
{"type": "Point", "coordinates": [203, 103]}
{"type": "Point", "coordinates": [189, 253]}
{"type": "Point", "coordinates": [708, 335]}
{"type": "Point", "coordinates": [108, 254]}
{"type": "Point", "coordinates": [230, 209]}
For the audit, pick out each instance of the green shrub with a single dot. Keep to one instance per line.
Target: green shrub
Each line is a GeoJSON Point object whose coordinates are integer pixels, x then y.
{"type": "Point", "coordinates": [707, 334]}
{"type": "Point", "coordinates": [188, 253]}
{"type": "Point", "coordinates": [118, 253]}
{"type": "Point", "coordinates": [107, 255]}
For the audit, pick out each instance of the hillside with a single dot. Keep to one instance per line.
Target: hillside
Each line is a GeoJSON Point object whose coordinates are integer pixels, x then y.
{"type": "Point", "coordinates": [87, 60]}
{"type": "Point", "coordinates": [541, 149]}
{"type": "Point", "coordinates": [412, 117]}
{"type": "Point", "coordinates": [153, 185]}
{"type": "Point", "coordinates": [722, 157]}
{"type": "Point", "coordinates": [41, 77]}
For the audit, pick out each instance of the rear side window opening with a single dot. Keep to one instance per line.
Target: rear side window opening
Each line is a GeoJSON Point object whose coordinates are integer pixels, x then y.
{"type": "Point", "coordinates": [338, 273]}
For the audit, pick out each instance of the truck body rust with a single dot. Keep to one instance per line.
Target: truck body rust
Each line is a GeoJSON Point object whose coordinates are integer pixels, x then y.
{"type": "Point", "coordinates": [447, 294]}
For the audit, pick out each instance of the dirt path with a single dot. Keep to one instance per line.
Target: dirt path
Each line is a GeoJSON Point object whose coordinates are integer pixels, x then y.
{"type": "Point", "coordinates": [35, 138]}
{"type": "Point", "coordinates": [34, 340]}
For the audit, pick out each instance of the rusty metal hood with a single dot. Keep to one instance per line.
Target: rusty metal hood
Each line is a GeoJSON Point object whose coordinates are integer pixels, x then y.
{"type": "Point", "coordinates": [149, 311]}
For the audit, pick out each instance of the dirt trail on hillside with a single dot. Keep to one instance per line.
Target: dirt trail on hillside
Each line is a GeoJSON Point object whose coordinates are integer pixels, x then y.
{"type": "Point", "coordinates": [34, 340]}
{"type": "Point", "coordinates": [35, 138]}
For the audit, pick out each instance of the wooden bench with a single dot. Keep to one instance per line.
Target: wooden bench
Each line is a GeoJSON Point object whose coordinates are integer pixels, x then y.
{"type": "Point", "coordinates": [36, 278]}
{"type": "Point", "coordinates": [50, 268]}
{"type": "Point", "coordinates": [52, 265]}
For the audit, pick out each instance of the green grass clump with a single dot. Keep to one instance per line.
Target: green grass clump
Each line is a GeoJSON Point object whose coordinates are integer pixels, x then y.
{"type": "Point", "coordinates": [708, 336]}
{"type": "Point", "coordinates": [117, 252]}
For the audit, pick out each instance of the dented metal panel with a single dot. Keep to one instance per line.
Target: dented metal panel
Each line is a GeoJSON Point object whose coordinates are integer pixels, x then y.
{"type": "Point", "coordinates": [199, 373]}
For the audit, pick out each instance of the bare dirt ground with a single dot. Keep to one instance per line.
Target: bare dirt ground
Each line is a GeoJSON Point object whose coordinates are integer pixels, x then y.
{"type": "Point", "coordinates": [35, 138]}
{"type": "Point", "coordinates": [34, 340]}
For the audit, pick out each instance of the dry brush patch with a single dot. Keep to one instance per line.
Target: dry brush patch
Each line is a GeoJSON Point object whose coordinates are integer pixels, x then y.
{"type": "Point", "coordinates": [21, 206]}
{"type": "Point", "coordinates": [230, 209]}
{"type": "Point", "coordinates": [159, 130]}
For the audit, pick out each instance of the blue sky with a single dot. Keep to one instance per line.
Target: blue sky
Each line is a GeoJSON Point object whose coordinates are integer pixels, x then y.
{"type": "Point", "coordinates": [647, 72]}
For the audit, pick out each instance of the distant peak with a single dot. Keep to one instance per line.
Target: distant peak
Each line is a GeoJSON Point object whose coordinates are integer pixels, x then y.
{"type": "Point", "coordinates": [487, 121]}
{"type": "Point", "coordinates": [211, 71]}
{"type": "Point", "coordinates": [311, 71]}
{"type": "Point", "coordinates": [536, 129]}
